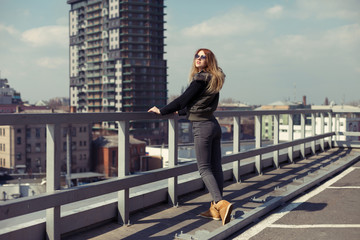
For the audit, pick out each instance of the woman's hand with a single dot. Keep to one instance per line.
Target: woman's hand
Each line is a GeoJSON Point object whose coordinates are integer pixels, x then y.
{"type": "Point", "coordinates": [154, 110]}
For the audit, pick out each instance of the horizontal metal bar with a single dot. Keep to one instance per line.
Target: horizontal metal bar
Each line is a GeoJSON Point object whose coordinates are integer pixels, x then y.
{"type": "Point", "coordinates": [271, 148]}
{"type": "Point", "coordinates": [353, 134]}
{"type": "Point", "coordinates": [58, 118]}
{"type": "Point", "coordinates": [40, 202]}
{"type": "Point", "coordinates": [347, 144]}
{"type": "Point", "coordinates": [267, 112]}
{"type": "Point", "coordinates": [57, 198]}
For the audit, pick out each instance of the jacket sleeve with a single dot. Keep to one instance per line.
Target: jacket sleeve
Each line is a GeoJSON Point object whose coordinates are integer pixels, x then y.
{"type": "Point", "coordinates": [179, 104]}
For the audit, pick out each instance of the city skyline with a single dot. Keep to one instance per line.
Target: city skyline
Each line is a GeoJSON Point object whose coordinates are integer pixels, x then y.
{"type": "Point", "coordinates": [270, 51]}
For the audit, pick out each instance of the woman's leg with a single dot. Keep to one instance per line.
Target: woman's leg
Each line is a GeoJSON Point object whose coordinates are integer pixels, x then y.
{"type": "Point", "coordinates": [204, 133]}
{"type": "Point", "coordinates": [216, 158]}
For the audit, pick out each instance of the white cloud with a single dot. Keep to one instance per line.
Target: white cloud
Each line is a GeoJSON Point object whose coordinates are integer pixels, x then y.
{"type": "Point", "coordinates": [9, 29]}
{"type": "Point", "coordinates": [229, 24]}
{"type": "Point", "coordinates": [52, 62]}
{"type": "Point", "coordinates": [341, 41]}
{"type": "Point", "coordinates": [347, 36]}
{"type": "Point", "coordinates": [275, 12]}
{"type": "Point", "coordinates": [329, 9]}
{"type": "Point", "coordinates": [47, 36]}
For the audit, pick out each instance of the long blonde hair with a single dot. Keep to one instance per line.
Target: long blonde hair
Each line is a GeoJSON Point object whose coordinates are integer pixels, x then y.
{"type": "Point", "coordinates": [218, 77]}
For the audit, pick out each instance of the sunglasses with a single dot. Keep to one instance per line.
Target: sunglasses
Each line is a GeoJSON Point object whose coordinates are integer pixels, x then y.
{"type": "Point", "coordinates": [202, 57]}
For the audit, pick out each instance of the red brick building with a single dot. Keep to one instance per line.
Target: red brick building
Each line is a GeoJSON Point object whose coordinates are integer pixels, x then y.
{"type": "Point", "coordinates": [105, 150]}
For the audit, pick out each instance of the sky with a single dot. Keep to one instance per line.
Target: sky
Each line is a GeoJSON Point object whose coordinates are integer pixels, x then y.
{"type": "Point", "coordinates": [270, 50]}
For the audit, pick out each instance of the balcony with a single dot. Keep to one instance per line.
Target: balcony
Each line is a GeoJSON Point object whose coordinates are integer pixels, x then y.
{"type": "Point", "coordinates": [68, 210]}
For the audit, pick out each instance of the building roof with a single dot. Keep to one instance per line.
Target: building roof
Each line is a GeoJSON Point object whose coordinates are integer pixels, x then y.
{"type": "Point", "coordinates": [337, 108]}
{"type": "Point", "coordinates": [112, 141]}
{"type": "Point", "coordinates": [283, 103]}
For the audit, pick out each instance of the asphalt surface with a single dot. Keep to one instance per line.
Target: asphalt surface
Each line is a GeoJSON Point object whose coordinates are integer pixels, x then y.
{"type": "Point", "coordinates": [331, 211]}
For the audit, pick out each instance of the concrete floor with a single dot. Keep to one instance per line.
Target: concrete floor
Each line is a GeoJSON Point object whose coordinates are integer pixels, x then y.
{"type": "Point", "coordinates": [164, 221]}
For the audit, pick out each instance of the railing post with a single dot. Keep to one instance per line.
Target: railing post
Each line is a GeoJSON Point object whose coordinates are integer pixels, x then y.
{"type": "Point", "coordinates": [330, 129]}
{"type": "Point", "coordinates": [313, 133]}
{"type": "Point", "coordinates": [236, 147]}
{"type": "Point", "coordinates": [258, 142]}
{"type": "Point", "coordinates": [123, 170]}
{"type": "Point", "coordinates": [291, 137]}
{"type": "Point", "coordinates": [53, 161]}
{"type": "Point", "coordinates": [68, 155]}
{"type": "Point", "coordinates": [276, 141]}
{"type": "Point", "coordinates": [322, 127]}
{"type": "Point", "coordinates": [302, 146]}
{"type": "Point", "coordinates": [337, 127]}
{"type": "Point", "coordinates": [173, 160]}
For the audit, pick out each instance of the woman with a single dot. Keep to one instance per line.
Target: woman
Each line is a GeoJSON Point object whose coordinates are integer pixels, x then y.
{"type": "Point", "coordinates": [198, 102]}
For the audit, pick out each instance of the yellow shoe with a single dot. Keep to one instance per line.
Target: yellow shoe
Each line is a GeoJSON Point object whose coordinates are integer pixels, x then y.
{"type": "Point", "coordinates": [224, 208]}
{"type": "Point", "coordinates": [212, 213]}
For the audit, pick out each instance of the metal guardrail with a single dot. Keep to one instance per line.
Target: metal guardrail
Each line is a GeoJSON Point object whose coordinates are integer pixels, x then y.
{"type": "Point", "coordinates": [54, 198]}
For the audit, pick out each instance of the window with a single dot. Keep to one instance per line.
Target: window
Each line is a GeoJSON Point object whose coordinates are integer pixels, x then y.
{"type": "Point", "coordinates": [28, 163]}
{"type": "Point", "coordinates": [28, 148]}
{"type": "Point", "coordinates": [28, 133]}
{"type": "Point", "coordinates": [18, 140]}
{"type": "Point", "coordinates": [18, 156]}
{"type": "Point", "coordinates": [37, 147]}
{"type": "Point", "coordinates": [64, 130]}
{"type": "Point", "coordinates": [113, 159]}
{"type": "Point", "coordinates": [73, 132]}
{"type": "Point", "coordinates": [37, 132]}
{"type": "Point", "coordinates": [73, 145]}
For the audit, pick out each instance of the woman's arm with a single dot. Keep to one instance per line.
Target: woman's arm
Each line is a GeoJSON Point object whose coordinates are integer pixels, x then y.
{"type": "Point", "coordinates": [194, 90]}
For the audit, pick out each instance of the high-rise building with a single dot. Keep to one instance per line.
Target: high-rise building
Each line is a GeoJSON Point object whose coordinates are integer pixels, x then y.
{"type": "Point", "coordinates": [117, 58]}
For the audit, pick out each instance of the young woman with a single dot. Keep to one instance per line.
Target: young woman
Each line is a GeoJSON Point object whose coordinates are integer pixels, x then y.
{"type": "Point", "coordinates": [198, 102]}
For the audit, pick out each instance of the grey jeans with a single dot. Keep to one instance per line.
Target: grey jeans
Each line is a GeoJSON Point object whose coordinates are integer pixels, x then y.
{"type": "Point", "coordinates": [207, 137]}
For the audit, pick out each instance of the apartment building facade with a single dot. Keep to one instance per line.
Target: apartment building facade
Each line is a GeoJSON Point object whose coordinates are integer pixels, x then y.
{"type": "Point", "coordinates": [117, 59]}
{"type": "Point", "coordinates": [23, 148]}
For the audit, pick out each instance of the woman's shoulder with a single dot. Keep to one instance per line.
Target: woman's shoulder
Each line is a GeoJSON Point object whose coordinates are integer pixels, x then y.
{"type": "Point", "coordinates": [203, 76]}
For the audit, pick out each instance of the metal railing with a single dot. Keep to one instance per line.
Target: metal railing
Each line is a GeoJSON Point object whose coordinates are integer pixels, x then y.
{"type": "Point", "coordinates": [54, 198]}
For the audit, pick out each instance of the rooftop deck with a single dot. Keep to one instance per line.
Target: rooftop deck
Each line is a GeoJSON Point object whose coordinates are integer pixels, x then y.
{"type": "Point", "coordinates": [257, 181]}
{"type": "Point", "coordinates": [252, 194]}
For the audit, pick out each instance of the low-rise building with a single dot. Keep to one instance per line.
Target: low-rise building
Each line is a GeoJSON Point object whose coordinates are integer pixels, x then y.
{"type": "Point", "coordinates": [23, 147]}
{"type": "Point", "coordinates": [105, 153]}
